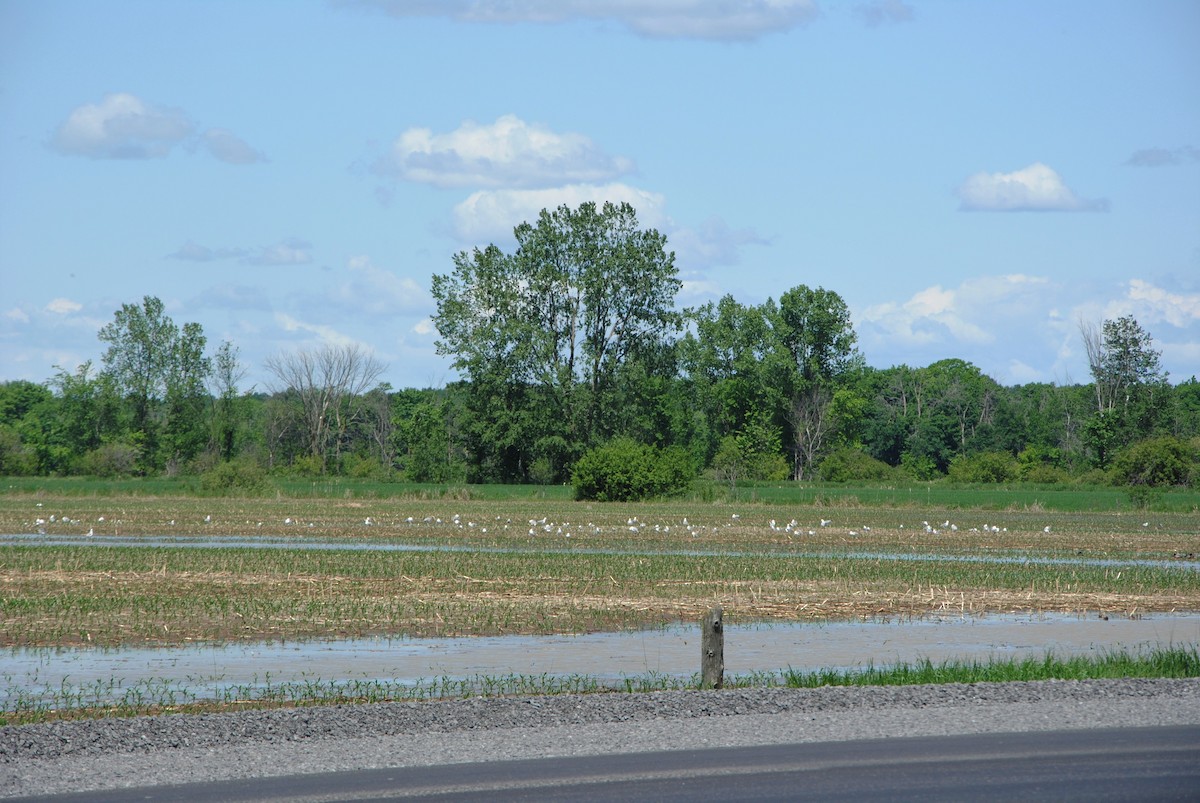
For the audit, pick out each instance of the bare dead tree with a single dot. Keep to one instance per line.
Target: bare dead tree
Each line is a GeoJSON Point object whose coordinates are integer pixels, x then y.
{"type": "Point", "coordinates": [378, 407]}
{"type": "Point", "coordinates": [1093, 345]}
{"type": "Point", "coordinates": [278, 426]}
{"type": "Point", "coordinates": [811, 427]}
{"type": "Point", "coordinates": [325, 381]}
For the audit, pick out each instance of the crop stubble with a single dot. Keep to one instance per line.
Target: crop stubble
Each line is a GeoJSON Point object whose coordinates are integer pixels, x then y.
{"type": "Point", "coordinates": [547, 583]}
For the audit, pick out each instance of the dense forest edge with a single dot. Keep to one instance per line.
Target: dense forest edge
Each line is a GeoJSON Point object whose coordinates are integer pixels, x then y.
{"type": "Point", "coordinates": [578, 370]}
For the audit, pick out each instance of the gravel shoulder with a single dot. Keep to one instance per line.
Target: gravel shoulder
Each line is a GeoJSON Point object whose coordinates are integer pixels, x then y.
{"type": "Point", "coordinates": [119, 753]}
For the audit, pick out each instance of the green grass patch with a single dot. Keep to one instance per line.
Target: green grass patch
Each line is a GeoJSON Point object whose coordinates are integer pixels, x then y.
{"type": "Point", "coordinates": [948, 496]}
{"type": "Point", "coordinates": [1172, 662]}
{"type": "Point", "coordinates": [926, 495]}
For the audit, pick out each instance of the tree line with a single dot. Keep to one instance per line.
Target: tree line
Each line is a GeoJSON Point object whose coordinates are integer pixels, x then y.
{"type": "Point", "coordinates": [573, 341]}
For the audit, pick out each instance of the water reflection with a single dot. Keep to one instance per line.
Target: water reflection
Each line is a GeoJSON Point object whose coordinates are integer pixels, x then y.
{"type": "Point", "coordinates": [207, 669]}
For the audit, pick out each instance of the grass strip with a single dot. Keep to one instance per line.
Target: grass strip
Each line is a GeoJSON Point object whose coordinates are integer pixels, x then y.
{"type": "Point", "coordinates": [1172, 662]}
{"type": "Point", "coordinates": [1065, 497]}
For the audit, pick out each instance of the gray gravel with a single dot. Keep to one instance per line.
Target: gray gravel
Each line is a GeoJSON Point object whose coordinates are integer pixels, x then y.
{"type": "Point", "coordinates": [120, 753]}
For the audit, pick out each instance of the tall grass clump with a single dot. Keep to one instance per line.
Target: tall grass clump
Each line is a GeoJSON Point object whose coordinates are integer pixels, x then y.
{"type": "Point", "coordinates": [1169, 662]}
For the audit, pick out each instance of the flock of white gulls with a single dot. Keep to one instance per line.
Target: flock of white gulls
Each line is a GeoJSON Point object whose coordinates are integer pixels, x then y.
{"type": "Point", "coordinates": [546, 527]}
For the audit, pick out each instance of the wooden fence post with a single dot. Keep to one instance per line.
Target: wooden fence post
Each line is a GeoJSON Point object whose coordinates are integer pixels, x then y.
{"type": "Point", "coordinates": [712, 651]}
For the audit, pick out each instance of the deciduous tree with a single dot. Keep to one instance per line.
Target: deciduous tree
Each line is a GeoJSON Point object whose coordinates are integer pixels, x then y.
{"type": "Point", "coordinates": [160, 369]}
{"type": "Point", "coordinates": [1132, 394]}
{"type": "Point", "coordinates": [324, 382]}
{"type": "Point", "coordinates": [544, 332]}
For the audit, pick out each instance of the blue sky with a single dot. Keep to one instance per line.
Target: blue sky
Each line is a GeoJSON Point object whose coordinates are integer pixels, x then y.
{"type": "Point", "coordinates": [974, 179]}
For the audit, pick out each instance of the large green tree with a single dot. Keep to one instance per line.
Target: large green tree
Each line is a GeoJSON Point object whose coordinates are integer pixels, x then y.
{"type": "Point", "coordinates": [922, 418]}
{"type": "Point", "coordinates": [1122, 359]}
{"type": "Point", "coordinates": [814, 326]}
{"type": "Point", "coordinates": [229, 410]}
{"type": "Point", "coordinates": [543, 334]}
{"type": "Point", "coordinates": [160, 370]}
{"type": "Point", "coordinates": [1132, 394]}
{"type": "Point", "coordinates": [741, 373]}
{"type": "Point", "coordinates": [88, 411]}
{"type": "Point", "coordinates": [22, 425]}
{"type": "Point", "coordinates": [773, 368]}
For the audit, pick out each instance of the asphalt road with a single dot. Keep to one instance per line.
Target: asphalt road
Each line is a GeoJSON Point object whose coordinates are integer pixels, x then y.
{"type": "Point", "coordinates": [1153, 763]}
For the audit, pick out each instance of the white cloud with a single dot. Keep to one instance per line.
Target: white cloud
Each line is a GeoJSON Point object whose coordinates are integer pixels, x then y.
{"type": "Point", "coordinates": [1036, 188]}
{"type": "Point", "coordinates": [1021, 373]}
{"type": "Point", "coordinates": [978, 315]}
{"type": "Point", "coordinates": [289, 252]}
{"type": "Point", "coordinates": [324, 334]}
{"type": "Point", "coordinates": [63, 306]}
{"type": "Point", "coordinates": [1019, 328]}
{"type": "Point", "coordinates": [699, 290]}
{"type": "Point", "coordinates": [930, 315]}
{"type": "Point", "coordinates": [1177, 309]}
{"type": "Point", "coordinates": [506, 153]}
{"type": "Point", "coordinates": [230, 148]}
{"type": "Point", "coordinates": [17, 314]}
{"type": "Point", "coordinates": [1162, 157]}
{"type": "Point", "coordinates": [194, 252]}
{"type": "Point", "coordinates": [713, 242]}
{"type": "Point", "coordinates": [372, 290]}
{"type": "Point", "coordinates": [1149, 304]}
{"type": "Point", "coordinates": [934, 314]}
{"type": "Point", "coordinates": [490, 215]}
{"type": "Point", "coordinates": [424, 327]}
{"type": "Point", "coordinates": [292, 251]}
{"type": "Point", "coordinates": [122, 126]}
{"type": "Point", "coordinates": [1183, 355]}
{"type": "Point", "coordinates": [721, 20]}
{"type": "Point", "coordinates": [232, 297]}
{"type": "Point", "coordinates": [885, 11]}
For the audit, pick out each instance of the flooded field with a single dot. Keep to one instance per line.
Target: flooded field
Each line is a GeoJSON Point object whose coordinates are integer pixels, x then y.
{"type": "Point", "coordinates": [205, 670]}
{"type": "Point", "coordinates": [1180, 562]}
{"type": "Point", "coordinates": [154, 603]}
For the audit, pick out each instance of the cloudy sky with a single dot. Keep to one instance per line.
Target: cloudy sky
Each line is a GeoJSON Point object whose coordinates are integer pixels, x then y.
{"type": "Point", "coordinates": [974, 179]}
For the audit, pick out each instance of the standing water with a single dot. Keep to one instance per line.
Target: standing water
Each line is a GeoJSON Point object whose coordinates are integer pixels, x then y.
{"type": "Point", "coordinates": [204, 671]}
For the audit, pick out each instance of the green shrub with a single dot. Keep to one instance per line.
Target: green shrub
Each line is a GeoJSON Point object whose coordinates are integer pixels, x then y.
{"type": "Point", "coordinates": [1043, 474]}
{"type": "Point", "coordinates": [853, 465]}
{"type": "Point", "coordinates": [769, 468]}
{"type": "Point", "coordinates": [1144, 497]}
{"type": "Point", "coordinates": [919, 467]}
{"type": "Point", "coordinates": [542, 472]}
{"type": "Point", "coordinates": [743, 458]}
{"type": "Point", "coordinates": [985, 467]}
{"type": "Point", "coordinates": [1094, 476]}
{"type": "Point", "coordinates": [1032, 458]}
{"type": "Point", "coordinates": [1156, 462]}
{"type": "Point", "coordinates": [624, 470]}
{"type": "Point", "coordinates": [16, 459]}
{"type": "Point", "coordinates": [307, 466]}
{"type": "Point", "coordinates": [110, 460]}
{"type": "Point", "coordinates": [237, 477]}
{"type": "Point", "coordinates": [363, 467]}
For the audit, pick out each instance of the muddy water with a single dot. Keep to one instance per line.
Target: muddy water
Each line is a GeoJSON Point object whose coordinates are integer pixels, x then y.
{"type": "Point", "coordinates": [610, 657]}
